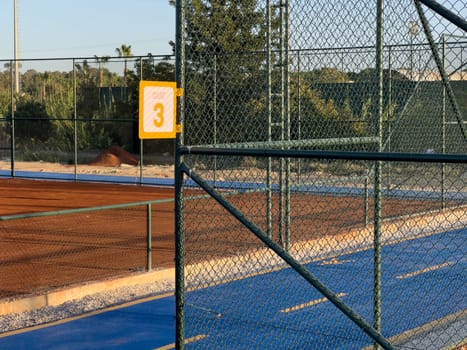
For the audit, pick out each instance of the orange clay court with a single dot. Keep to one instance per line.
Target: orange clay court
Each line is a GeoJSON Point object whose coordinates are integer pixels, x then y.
{"type": "Point", "coordinates": [59, 250]}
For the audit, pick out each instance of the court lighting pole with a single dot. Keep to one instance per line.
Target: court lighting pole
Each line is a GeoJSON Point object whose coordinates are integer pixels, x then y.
{"type": "Point", "coordinates": [15, 14]}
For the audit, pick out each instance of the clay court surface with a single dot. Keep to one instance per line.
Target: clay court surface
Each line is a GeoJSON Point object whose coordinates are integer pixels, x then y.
{"type": "Point", "coordinates": [39, 254]}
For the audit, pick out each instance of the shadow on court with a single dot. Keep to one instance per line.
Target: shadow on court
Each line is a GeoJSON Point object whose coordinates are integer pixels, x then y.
{"type": "Point", "coordinates": [144, 325]}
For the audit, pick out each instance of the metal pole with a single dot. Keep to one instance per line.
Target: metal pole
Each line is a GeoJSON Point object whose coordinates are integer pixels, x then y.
{"type": "Point", "coordinates": [389, 114]}
{"type": "Point", "coordinates": [299, 114]}
{"type": "Point", "coordinates": [336, 155]}
{"type": "Point", "coordinates": [141, 150]}
{"type": "Point", "coordinates": [443, 130]}
{"type": "Point", "coordinates": [179, 224]}
{"type": "Point", "coordinates": [75, 124]}
{"type": "Point", "coordinates": [287, 124]}
{"type": "Point", "coordinates": [269, 117]}
{"type": "Point", "coordinates": [378, 190]}
{"type": "Point", "coordinates": [16, 46]}
{"type": "Point", "coordinates": [149, 236]}
{"type": "Point", "coordinates": [215, 115]}
{"type": "Point", "coordinates": [366, 200]}
{"type": "Point", "coordinates": [12, 125]}
{"type": "Point", "coordinates": [282, 175]}
{"type": "Point", "coordinates": [443, 11]}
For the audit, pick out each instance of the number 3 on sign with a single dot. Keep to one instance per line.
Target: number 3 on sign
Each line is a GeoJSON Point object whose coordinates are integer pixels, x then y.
{"type": "Point", "coordinates": [157, 109]}
{"type": "Point", "coordinates": [159, 120]}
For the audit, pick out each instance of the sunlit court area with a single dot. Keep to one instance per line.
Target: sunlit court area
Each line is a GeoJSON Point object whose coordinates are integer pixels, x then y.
{"type": "Point", "coordinates": [283, 175]}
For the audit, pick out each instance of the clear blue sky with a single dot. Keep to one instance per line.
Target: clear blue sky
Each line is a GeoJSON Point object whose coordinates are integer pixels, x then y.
{"type": "Point", "coordinates": [82, 28]}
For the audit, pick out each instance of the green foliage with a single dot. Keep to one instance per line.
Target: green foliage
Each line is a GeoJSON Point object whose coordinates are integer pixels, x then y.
{"type": "Point", "coordinates": [320, 117]}
{"type": "Point", "coordinates": [326, 75]}
{"type": "Point", "coordinates": [31, 120]}
{"type": "Point", "coordinates": [53, 89]}
{"type": "Point", "coordinates": [5, 102]}
{"type": "Point", "coordinates": [225, 69]}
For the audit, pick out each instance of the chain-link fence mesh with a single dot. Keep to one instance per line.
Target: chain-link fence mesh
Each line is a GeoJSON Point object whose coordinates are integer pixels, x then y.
{"type": "Point", "coordinates": [385, 238]}
{"type": "Point", "coordinates": [241, 294]}
{"type": "Point", "coordinates": [45, 251]}
{"type": "Point", "coordinates": [70, 112]}
{"type": "Point", "coordinates": [313, 76]}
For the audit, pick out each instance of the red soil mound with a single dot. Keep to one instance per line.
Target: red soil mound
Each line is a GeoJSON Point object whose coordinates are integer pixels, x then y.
{"type": "Point", "coordinates": [114, 156]}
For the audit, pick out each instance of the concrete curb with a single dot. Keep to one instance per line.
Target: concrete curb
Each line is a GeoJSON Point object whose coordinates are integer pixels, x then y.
{"type": "Point", "coordinates": [59, 296]}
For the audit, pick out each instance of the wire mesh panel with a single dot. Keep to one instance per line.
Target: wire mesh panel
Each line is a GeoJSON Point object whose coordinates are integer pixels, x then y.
{"type": "Point", "coordinates": [45, 251]}
{"type": "Point", "coordinates": [316, 76]}
{"type": "Point", "coordinates": [241, 294]}
{"type": "Point", "coordinates": [306, 71]}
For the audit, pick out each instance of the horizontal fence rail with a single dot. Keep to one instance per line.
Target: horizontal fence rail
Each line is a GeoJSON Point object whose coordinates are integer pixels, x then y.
{"type": "Point", "coordinates": [376, 156]}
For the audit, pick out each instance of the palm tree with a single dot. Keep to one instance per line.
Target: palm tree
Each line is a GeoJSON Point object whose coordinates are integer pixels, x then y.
{"type": "Point", "coordinates": [101, 61]}
{"type": "Point", "coordinates": [124, 51]}
{"type": "Point", "coordinates": [85, 72]}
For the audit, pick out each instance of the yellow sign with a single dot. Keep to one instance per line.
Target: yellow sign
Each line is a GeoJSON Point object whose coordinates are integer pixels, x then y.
{"type": "Point", "coordinates": [157, 109]}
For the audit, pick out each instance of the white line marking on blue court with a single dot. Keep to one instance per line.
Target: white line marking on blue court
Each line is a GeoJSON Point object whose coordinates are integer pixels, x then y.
{"type": "Point", "coordinates": [425, 270]}
{"type": "Point", "coordinates": [308, 304]}
{"type": "Point", "coordinates": [187, 341]}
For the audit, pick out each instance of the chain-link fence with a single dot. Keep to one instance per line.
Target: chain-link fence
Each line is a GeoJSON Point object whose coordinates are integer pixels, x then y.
{"type": "Point", "coordinates": [77, 112]}
{"type": "Point", "coordinates": [46, 251]}
{"type": "Point", "coordinates": [243, 288]}
{"type": "Point", "coordinates": [330, 137]}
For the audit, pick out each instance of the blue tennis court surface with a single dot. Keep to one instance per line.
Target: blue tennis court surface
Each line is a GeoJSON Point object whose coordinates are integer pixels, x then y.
{"type": "Point", "coordinates": [140, 326]}
{"type": "Point", "coordinates": [234, 185]}
{"type": "Point", "coordinates": [425, 276]}
{"type": "Point", "coordinates": [88, 177]}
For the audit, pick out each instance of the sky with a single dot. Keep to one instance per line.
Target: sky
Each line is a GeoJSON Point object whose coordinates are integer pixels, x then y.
{"type": "Point", "coordinates": [85, 28]}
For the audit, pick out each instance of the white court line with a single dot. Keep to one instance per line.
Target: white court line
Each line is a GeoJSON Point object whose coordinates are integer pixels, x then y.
{"type": "Point", "coordinates": [187, 341]}
{"type": "Point", "coordinates": [308, 304]}
{"type": "Point", "coordinates": [425, 270]}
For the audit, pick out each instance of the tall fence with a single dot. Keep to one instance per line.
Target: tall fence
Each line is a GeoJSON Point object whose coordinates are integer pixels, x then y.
{"type": "Point", "coordinates": [331, 139]}
{"type": "Point", "coordinates": [71, 111]}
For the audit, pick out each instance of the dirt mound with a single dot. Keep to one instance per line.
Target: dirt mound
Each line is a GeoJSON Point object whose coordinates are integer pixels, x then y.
{"type": "Point", "coordinates": [114, 156]}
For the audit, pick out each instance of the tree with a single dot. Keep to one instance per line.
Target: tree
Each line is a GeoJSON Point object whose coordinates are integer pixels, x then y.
{"type": "Point", "coordinates": [326, 75]}
{"type": "Point", "coordinates": [225, 60]}
{"type": "Point", "coordinates": [125, 52]}
{"type": "Point", "coordinates": [101, 61]}
{"type": "Point", "coordinates": [227, 78]}
{"type": "Point", "coordinates": [88, 99]}
{"type": "Point", "coordinates": [31, 120]}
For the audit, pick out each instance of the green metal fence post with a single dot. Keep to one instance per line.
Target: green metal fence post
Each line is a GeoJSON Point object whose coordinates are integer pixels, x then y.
{"type": "Point", "coordinates": [179, 226]}
{"type": "Point", "coordinates": [12, 125]}
{"type": "Point", "coordinates": [378, 173]}
{"type": "Point", "coordinates": [366, 201]}
{"type": "Point", "coordinates": [269, 115]}
{"type": "Point", "coordinates": [443, 129]}
{"type": "Point", "coordinates": [141, 143]}
{"type": "Point", "coordinates": [149, 236]}
{"type": "Point", "coordinates": [75, 125]}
